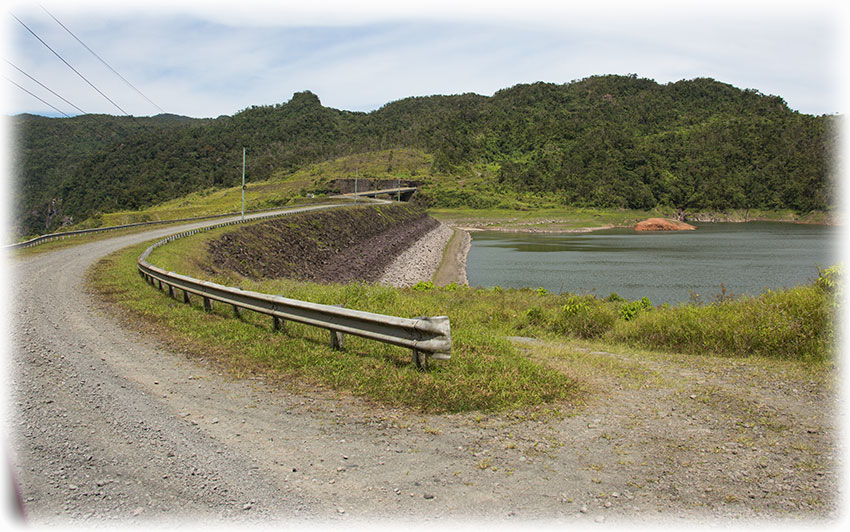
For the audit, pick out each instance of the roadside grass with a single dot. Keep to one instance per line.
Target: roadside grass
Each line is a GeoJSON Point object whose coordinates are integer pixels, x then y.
{"type": "Point", "coordinates": [797, 324]}
{"type": "Point", "coordinates": [792, 330]}
{"type": "Point", "coordinates": [486, 373]}
{"type": "Point", "coordinates": [279, 191]}
{"type": "Point", "coordinates": [282, 189]}
{"type": "Point", "coordinates": [594, 364]}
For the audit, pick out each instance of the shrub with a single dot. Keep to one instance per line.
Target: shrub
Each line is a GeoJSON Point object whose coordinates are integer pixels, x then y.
{"type": "Point", "coordinates": [630, 310]}
{"type": "Point", "coordinates": [422, 286]}
{"type": "Point", "coordinates": [535, 316]}
{"type": "Point", "coordinates": [585, 317]}
{"type": "Point", "coordinates": [828, 279]}
{"type": "Point", "coordinates": [789, 324]}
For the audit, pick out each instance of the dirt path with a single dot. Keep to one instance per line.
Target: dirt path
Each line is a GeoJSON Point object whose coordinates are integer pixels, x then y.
{"type": "Point", "coordinates": [452, 269]}
{"type": "Point", "coordinates": [112, 427]}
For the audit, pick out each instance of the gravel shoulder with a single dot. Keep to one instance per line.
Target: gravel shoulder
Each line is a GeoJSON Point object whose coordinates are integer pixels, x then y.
{"type": "Point", "coordinates": [111, 426]}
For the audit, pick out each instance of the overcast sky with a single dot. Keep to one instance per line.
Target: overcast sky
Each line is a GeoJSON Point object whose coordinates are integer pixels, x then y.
{"type": "Point", "coordinates": [205, 59]}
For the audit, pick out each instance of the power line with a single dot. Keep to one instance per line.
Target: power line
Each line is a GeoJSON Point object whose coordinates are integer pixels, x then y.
{"type": "Point", "coordinates": [102, 61]}
{"type": "Point", "coordinates": [36, 97]}
{"type": "Point", "coordinates": [69, 65]}
{"type": "Point", "coordinates": [46, 87]}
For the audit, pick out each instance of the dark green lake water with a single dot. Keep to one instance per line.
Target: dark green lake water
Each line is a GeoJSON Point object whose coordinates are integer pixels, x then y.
{"type": "Point", "coordinates": [663, 266]}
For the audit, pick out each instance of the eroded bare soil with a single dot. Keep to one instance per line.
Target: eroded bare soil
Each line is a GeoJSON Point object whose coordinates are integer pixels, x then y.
{"type": "Point", "coordinates": [335, 246]}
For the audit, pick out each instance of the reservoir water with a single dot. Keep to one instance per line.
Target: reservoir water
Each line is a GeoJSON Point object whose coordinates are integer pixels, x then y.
{"type": "Point", "coordinates": [666, 267]}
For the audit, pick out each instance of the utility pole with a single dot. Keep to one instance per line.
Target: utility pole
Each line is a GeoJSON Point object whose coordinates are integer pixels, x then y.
{"type": "Point", "coordinates": [355, 185]}
{"type": "Point", "coordinates": [243, 183]}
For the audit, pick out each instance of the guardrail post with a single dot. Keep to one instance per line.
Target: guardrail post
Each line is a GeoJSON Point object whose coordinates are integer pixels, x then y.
{"type": "Point", "coordinates": [278, 325]}
{"type": "Point", "coordinates": [208, 304]}
{"type": "Point", "coordinates": [420, 359]}
{"type": "Point", "coordinates": [237, 312]}
{"type": "Point", "coordinates": [337, 340]}
{"type": "Point", "coordinates": [186, 297]}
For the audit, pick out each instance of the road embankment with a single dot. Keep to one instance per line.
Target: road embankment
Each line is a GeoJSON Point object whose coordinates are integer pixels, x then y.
{"type": "Point", "coordinates": [340, 246]}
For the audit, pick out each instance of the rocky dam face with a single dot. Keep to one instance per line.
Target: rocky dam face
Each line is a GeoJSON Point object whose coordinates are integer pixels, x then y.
{"type": "Point", "coordinates": [337, 246]}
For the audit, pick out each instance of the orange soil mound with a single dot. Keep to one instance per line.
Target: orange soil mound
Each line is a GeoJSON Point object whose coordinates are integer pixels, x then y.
{"type": "Point", "coordinates": [660, 224]}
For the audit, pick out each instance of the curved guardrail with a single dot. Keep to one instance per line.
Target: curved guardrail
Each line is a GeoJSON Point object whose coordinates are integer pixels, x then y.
{"type": "Point", "coordinates": [427, 337]}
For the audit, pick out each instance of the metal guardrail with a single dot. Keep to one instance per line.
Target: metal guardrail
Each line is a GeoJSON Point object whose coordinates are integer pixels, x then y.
{"type": "Point", "coordinates": [69, 234]}
{"type": "Point", "coordinates": [427, 337]}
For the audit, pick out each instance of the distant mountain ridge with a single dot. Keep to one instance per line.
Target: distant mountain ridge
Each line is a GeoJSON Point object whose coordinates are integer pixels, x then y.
{"type": "Point", "coordinates": [605, 141]}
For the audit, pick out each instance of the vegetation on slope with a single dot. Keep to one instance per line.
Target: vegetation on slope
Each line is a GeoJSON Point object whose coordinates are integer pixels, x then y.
{"type": "Point", "coordinates": [605, 141]}
{"type": "Point", "coordinates": [47, 150]}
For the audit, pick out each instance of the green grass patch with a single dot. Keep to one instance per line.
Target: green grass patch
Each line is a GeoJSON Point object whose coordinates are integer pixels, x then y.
{"type": "Point", "coordinates": [796, 324]}
{"type": "Point", "coordinates": [279, 191]}
{"type": "Point", "coordinates": [486, 372]}
{"type": "Point", "coordinates": [398, 163]}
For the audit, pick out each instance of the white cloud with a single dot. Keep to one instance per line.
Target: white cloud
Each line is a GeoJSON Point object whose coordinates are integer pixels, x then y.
{"type": "Point", "coordinates": [210, 58]}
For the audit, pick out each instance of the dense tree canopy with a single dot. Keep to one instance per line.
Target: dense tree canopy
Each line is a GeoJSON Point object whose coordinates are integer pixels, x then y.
{"type": "Point", "coordinates": [607, 141]}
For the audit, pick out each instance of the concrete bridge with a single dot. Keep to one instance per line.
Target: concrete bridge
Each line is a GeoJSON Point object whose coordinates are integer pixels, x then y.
{"type": "Point", "coordinates": [401, 193]}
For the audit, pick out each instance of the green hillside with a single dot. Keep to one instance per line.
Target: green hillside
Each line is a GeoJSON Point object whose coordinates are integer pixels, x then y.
{"type": "Point", "coordinates": [605, 141]}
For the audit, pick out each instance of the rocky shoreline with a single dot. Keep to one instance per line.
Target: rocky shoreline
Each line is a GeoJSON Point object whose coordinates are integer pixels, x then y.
{"type": "Point", "coordinates": [421, 260]}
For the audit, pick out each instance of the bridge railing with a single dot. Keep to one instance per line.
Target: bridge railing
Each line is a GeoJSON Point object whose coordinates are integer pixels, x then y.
{"type": "Point", "coordinates": [427, 337]}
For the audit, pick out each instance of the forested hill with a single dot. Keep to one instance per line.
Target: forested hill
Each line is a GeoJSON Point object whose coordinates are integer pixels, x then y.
{"type": "Point", "coordinates": [607, 141]}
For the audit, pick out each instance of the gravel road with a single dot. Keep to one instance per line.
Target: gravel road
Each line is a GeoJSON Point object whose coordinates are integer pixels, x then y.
{"type": "Point", "coordinates": [110, 427]}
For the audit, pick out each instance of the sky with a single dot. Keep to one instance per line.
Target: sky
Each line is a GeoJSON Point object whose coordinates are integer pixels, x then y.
{"type": "Point", "coordinates": [211, 58]}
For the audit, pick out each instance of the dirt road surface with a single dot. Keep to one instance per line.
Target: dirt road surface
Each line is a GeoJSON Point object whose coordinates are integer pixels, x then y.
{"type": "Point", "coordinates": [109, 427]}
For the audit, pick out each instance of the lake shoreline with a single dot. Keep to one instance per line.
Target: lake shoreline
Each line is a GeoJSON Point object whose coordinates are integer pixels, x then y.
{"type": "Point", "coordinates": [474, 228]}
{"type": "Point", "coordinates": [569, 220]}
{"type": "Point", "coordinates": [666, 273]}
{"type": "Point", "coordinates": [456, 260]}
